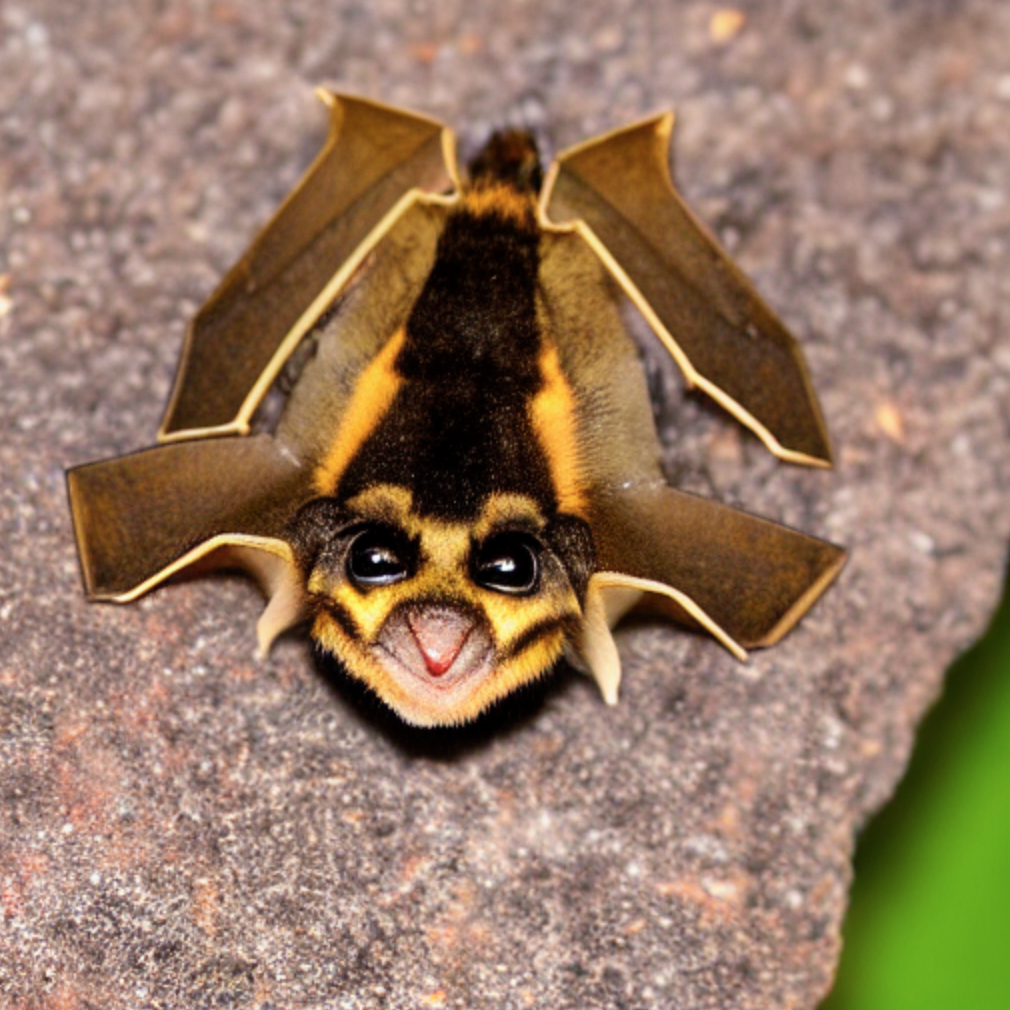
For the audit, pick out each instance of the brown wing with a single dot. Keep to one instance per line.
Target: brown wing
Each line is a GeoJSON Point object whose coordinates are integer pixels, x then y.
{"type": "Point", "coordinates": [141, 518]}
{"type": "Point", "coordinates": [374, 160]}
{"type": "Point", "coordinates": [616, 191]}
{"type": "Point", "coordinates": [746, 580]}
{"type": "Point", "coordinates": [752, 578]}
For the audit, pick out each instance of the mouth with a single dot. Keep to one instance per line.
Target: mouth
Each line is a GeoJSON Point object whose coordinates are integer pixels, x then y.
{"type": "Point", "coordinates": [437, 657]}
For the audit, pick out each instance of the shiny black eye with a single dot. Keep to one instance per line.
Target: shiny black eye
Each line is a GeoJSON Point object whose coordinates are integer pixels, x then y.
{"type": "Point", "coordinates": [508, 563]}
{"type": "Point", "coordinates": [378, 557]}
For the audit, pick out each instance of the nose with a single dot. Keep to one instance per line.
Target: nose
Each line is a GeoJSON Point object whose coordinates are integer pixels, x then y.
{"type": "Point", "coordinates": [440, 633]}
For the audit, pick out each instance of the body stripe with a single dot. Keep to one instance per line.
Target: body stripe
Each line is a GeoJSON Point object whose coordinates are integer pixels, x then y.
{"type": "Point", "coordinates": [502, 201]}
{"type": "Point", "coordinates": [372, 398]}
{"type": "Point", "coordinates": [553, 413]}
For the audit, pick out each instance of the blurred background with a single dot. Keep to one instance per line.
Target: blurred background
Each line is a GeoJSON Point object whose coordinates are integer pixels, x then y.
{"type": "Point", "coordinates": [929, 923]}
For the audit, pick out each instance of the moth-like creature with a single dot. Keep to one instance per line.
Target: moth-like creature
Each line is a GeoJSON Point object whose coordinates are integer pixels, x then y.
{"type": "Point", "coordinates": [464, 481]}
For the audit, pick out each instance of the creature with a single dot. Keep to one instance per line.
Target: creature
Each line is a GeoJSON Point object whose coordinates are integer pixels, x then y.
{"type": "Point", "coordinates": [463, 483]}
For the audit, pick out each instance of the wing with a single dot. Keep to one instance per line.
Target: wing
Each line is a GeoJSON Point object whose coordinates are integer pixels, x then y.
{"type": "Point", "coordinates": [746, 579]}
{"type": "Point", "coordinates": [227, 501]}
{"type": "Point", "coordinates": [743, 579]}
{"type": "Point", "coordinates": [375, 163]}
{"type": "Point", "coordinates": [616, 191]}
{"type": "Point", "coordinates": [141, 518]}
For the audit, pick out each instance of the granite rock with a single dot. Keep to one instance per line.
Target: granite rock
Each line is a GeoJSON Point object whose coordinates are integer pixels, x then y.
{"type": "Point", "coordinates": [184, 825]}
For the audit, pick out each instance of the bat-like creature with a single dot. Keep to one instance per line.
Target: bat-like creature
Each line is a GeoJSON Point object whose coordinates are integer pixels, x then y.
{"type": "Point", "coordinates": [464, 480]}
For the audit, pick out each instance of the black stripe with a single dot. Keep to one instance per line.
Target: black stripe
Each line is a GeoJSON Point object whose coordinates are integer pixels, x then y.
{"type": "Point", "coordinates": [535, 632]}
{"type": "Point", "coordinates": [459, 428]}
{"type": "Point", "coordinates": [342, 617]}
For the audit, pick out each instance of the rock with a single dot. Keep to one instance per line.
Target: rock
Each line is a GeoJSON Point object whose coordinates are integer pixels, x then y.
{"type": "Point", "coordinates": [185, 825]}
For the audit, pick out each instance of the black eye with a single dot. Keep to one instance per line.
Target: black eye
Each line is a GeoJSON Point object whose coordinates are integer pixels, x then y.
{"type": "Point", "coordinates": [378, 557]}
{"type": "Point", "coordinates": [508, 563]}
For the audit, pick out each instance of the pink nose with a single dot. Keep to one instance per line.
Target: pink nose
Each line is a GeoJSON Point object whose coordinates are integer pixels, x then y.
{"type": "Point", "coordinates": [440, 634]}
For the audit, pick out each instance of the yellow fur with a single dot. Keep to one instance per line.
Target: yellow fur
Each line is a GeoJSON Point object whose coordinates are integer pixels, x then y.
{"type": "Point", "coordinates": [553, 412]}
{"type": "Point", "coordinates": [373, 396]}
{"type": "Point", "coordinates": [500, 200]}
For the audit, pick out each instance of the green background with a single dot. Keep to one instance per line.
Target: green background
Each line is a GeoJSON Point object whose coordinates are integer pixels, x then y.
{"type": "Point", "coordinates": [929, 924]}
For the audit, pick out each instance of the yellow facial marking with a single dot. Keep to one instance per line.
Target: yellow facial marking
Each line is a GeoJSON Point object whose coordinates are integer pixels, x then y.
{"type": "Point", "coordinates": [372, 398]}
{"type": "Point", "coordinates": [386, 503]}
{"type": "Point", "coordinates": [553, 412]}
{"type": "Point", "coordinates": [500, 200]}
{"type": "Point", "coordinates": [508, 509]}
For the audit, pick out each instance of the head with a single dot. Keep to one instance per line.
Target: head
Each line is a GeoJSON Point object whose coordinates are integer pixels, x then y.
{"type": "Point", "coordinates": [442, 618]}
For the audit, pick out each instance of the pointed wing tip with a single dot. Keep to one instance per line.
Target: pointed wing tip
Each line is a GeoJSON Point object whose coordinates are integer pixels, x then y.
{"type": "Point", "coordinates": [326, 95]}
{"type": "Point", "coordinates": [840, 558]}
{"type": "Point", "coordinates": [817, 450]}
{"type": "Point", "coordinates": [338, 101]}
{"type": "Point", "coordinates": [659, 123]}
{"type": "Point", "coordinates": [807, 428]}
{"type": "Point", "coordinates": [664, 123]}
{"type": "Point", "coordinates": [835, 559]}
{"type": "Point", "coordinates": [821, 458]}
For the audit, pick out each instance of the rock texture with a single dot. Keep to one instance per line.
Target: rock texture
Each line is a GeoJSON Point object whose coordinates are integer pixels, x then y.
{"type": "Point", "coordinates": [183, 825]}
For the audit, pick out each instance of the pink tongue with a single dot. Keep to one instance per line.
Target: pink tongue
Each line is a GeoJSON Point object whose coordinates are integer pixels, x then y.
{"type": "Point", "coordinates": [439, 634]}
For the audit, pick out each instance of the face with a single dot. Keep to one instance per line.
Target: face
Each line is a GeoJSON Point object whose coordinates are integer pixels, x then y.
{"type": "Point", "coordinates": [441, 619]}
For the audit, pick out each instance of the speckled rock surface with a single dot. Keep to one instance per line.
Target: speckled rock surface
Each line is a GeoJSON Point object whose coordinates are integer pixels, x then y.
{"type": "Point", "coordinates": [183, 825]}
